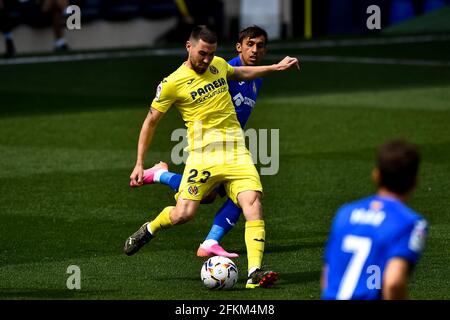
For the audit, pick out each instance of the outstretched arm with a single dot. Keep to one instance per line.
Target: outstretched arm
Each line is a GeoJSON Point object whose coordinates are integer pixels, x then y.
{"type": "Point", "coordinates": [324, 277]}
{"type": "Point", "coordinates": [253, 72]}
{"type": "Point", "coordinates": [395, 279]}
{"type": "Point", "coordinates": [145, 138]}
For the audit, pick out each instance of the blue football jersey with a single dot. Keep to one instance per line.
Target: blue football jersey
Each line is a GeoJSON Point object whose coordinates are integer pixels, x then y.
{"type": "Point", "coordinates": [364, 236]}
{"type": "Point", "coordinates": [243, 94]}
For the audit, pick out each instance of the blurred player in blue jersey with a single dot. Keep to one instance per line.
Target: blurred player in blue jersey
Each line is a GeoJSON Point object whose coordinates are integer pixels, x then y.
{"type": "Point", "coordinates": [251, 47]}
{"type": "Point", "coordinates": [375, 242]}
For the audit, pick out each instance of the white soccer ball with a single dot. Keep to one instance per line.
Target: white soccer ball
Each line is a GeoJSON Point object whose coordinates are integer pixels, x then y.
{"type": "Point", "coordinates": [219, 273]}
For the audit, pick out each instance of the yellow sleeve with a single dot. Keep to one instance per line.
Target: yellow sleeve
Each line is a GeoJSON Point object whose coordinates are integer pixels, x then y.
{"type": "Point", "coordinates": [221, 63]}
{"type": "Point", "coordinates": [230, 70]}
{"type": "Point", "coordinates": [165, 96]}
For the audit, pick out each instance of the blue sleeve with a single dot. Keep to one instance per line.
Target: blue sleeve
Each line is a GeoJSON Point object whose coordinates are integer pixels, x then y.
{"type": "Point", "coordinates": [410, 243]}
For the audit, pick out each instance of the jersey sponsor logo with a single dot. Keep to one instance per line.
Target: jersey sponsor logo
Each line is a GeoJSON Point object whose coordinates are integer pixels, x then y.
{"type": "Point", "coordinates": [239, 99]}
{"type": "Point", "coordinates": [213, 70]}
{"type": "Point", "coordinates": [364, 216]}
{"type": "Point", "coordinates": [207, 88]}
{"type": "Point", "coordinates": [418, 235]}
{"type": "Point", "coordinates": [193, 190]}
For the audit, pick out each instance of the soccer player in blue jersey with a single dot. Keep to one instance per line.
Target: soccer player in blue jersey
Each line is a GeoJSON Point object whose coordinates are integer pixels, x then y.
{"type": "Point", "coordinates": [375, 242]}
{"type": "Point", "coordinates": [251, 48]}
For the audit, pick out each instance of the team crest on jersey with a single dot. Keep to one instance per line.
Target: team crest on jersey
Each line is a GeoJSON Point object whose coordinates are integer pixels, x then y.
{"type": "Point", "coordinates": [213, 70]}
{"type": "Point", "coordinates": [193, 190]}
{"type": "Point", "coordinates": [376, 205]}
{"type": "Point", "coordinates": [158, 92]}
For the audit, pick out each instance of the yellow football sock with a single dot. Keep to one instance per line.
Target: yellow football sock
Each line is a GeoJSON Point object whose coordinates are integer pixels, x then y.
{"type": "Point", "coordinates": [162, 221]}
{"type": "Point", "coordinates": [255, 236]}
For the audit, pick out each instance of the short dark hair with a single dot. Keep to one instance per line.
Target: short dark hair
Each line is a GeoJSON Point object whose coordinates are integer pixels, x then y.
{"type": "Point", "coordinates": [203, 33]}
{"type": "Point", "coordinates": [398, 163]}
{"type": "Point", "coordinates": [252, 32]}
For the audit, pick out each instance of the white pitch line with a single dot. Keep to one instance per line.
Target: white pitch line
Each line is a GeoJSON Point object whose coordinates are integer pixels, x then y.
{"type": "Point", "coordinates": [309, 44]}
{"type": "Point", "coordinates": [169, 52]}
{"type": "Point", "coordinates": [361, 42]}
{"type": "Point", "coordinates": [367, 60]}
{"type": "Point", "coordinates": [93, 56]}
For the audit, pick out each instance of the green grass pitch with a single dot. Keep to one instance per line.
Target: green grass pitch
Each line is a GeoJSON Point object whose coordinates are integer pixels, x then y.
{"type": "Point", "coordinates": [68, 134]}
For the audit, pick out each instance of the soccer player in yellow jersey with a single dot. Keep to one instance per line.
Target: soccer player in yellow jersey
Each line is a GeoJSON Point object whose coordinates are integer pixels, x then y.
{"type": "Point", "coordinates": [217, 152]}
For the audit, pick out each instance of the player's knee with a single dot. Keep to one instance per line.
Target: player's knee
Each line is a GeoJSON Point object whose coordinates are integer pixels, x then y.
{"type": "Point", "coordinates": [250, 199]}
{"type": "Point", "coordinates": [255, 203]}
{"type": "Point", "coordinates": [182, 215]}
{"type": "Point", "coordinates": [251, 205]}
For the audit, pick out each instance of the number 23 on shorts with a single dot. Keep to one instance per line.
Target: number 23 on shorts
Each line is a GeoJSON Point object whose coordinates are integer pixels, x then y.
{"type": "Point", "coordinates": [193, 174]}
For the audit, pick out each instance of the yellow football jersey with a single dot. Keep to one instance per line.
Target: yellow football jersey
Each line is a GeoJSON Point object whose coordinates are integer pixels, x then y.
{"type": "Point", "coordinates": [204, 103]}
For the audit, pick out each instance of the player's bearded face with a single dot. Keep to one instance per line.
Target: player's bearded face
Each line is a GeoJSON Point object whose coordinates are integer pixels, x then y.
{"type": "Point", "coordinates": [252, 50]}
{"type": "Point", "coordinates": [201, 55]}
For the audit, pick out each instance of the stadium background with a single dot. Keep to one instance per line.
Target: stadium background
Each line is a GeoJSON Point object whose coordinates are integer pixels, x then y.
{"type": "Point", "coordinates": [69, 125]}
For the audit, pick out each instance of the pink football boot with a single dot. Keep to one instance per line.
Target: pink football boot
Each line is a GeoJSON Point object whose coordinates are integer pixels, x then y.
{"type": "Point", "coordinates": [149, 174]}
{"type": "Point", "coordinates": [214, 250]}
